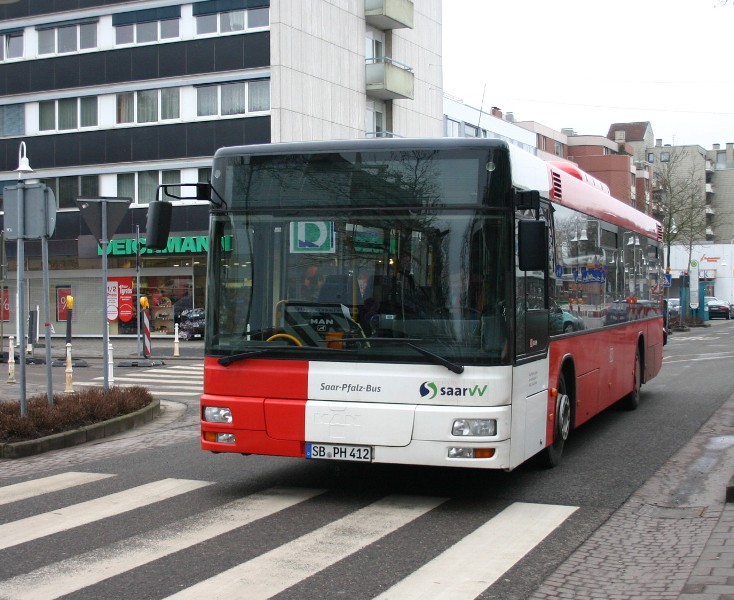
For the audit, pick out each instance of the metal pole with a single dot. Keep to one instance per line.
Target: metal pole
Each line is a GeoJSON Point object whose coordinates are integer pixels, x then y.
{"type": "Point", "coordinates": [47, 311]}
{"type": "Point", "coordinates": [4, 274]}
{"type": "Point", "coordinates": [21, 300]}
{"type": "Point", "coordinates": [137, 275]}
{"type": "Point", "coordinates": [105, 333]}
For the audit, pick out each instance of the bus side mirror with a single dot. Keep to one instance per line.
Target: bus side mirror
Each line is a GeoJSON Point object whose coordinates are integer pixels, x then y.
{"type": "Point", "coordinates": [532, 245]}
{"type": "Point", "coordinates": [158, 225]}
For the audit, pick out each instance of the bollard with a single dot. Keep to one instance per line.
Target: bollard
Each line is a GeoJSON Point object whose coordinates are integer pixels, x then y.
{"type": "Point", "coordinates": [11, 360]}
{"type": "Point", "coordinates": [146, 334]}
{"type": "Point", "coordinates": [110, 365]}
{"type": "Point", "coordinates": [175, 340]}
{"type": "Point", "coordinates": [69, 371]}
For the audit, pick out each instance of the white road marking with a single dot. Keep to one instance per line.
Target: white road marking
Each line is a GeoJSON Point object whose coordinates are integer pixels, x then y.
{"type": "Point", "coordinates": [470, 566]}
{"type": "Point", "coordinates": [277, 570]}
{"type": "Point", "coordinates": [63, 519]}
{"type": "Point", "coordinates": [88, 569]}
{"type": "Point", "coordinates": [46, 485]}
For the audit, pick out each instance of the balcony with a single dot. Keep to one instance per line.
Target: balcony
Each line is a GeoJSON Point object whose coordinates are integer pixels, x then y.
{"type": "Point", "coordinates": [388, 79]}
{"type": "Point", "coordinates": [389, 14]}
{"type": "Point", "coordinates": [709, 188]}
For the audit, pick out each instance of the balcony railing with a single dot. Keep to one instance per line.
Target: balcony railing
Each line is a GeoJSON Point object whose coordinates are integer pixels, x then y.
{"type": "Point", "coordinates": [389, 14]}
{"type": "Point", "coordinates": [388, 79]}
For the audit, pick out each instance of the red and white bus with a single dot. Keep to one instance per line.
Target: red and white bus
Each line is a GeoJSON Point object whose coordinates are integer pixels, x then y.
{"type": "Point", "coordinates": [447, 302]}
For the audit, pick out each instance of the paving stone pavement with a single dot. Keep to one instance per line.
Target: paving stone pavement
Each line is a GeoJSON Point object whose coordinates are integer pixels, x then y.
{"type": "Point", "coordinates": [673, 538]}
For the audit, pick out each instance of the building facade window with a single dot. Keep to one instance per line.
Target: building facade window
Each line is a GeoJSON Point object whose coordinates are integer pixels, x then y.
{"type": "Point", "coordinates": [651, 157]}
{"type": "Point", "coordinates": [11, 45]}
{"type": "Point", "coordinates": [67, 38]}
{"type": "Point", "coordinates": [233, 21]}
{"type": "Point", "coordinates": [471, 130]}
{"type": "Point", "coordinates": [233, 98]}
{"type": "Point", "coordinates": [453, 128]}
{"type": "Point", "coordinates": [12, 119]}
{"type": "Point", "coordinates": [67, 114]}
{"type": "Point", "coordinates": [142, 186]}
{"type": "Point", "coordinates": [148, 106]}
{"type": "Point", "coordinates": [68, 189]}
{"type": "Point", "coordinates": [147, 32]}
{"type": "Point", "coordinates": [664, 156]}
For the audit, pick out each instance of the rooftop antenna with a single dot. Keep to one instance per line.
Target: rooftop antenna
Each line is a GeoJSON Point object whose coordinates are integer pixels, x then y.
{"type": "Point", "coordinates": [481, 107]}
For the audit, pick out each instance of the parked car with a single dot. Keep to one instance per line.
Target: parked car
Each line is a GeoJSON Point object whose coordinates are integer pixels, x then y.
{"type": "Point", "coordinates": [563, 320]}
{"type": "Point", "coordinates": [718, 308]}
{"type": "Point", "coordinates": [192, 324]}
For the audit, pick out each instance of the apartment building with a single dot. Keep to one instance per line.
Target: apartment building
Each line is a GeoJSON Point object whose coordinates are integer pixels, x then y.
{"type": "Point", "coordinates": [114, 98]}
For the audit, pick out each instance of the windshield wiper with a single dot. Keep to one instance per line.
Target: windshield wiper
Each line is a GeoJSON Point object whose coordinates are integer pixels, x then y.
{"type": "Point", "coordinates": [437, 358]}
{"type": "Point", "coordinates": [228, 360]}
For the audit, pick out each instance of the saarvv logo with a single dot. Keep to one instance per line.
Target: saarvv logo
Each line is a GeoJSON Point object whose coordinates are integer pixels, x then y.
{"type": "Point", "coordinates": [430, 390]}
{"type": "Point", "coordinates": [428, 387]}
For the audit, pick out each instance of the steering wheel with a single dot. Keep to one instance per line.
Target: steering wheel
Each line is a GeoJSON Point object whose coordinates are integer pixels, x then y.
{"type": "Point", "coordinates": [285, 336]}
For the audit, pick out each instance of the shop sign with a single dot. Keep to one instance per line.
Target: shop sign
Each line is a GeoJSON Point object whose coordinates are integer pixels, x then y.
{"type": "Point", "coordinates": [197, 244]}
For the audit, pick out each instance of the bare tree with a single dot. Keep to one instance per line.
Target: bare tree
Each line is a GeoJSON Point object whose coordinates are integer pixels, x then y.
{"type": "Point", "coordinates": [681, 192]}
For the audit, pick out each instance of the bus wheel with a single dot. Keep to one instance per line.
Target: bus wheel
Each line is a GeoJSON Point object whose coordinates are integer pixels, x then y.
{"type": "Point", "coordinates": [285, 336]}
{"type": "Point", "coordinates": [632, 400]}
{"type": "Point", "coordinates": [562, 427]}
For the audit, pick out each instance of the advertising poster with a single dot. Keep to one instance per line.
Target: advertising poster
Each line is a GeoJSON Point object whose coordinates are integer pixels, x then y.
{"type": "Point", "coordinates": [62, 291]}
{"type": "Point", "coordinates": [120, 299]}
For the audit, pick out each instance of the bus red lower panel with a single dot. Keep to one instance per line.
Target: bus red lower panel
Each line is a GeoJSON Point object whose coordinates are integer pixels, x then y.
{"type": "Point", "coordinates": [260, 423]}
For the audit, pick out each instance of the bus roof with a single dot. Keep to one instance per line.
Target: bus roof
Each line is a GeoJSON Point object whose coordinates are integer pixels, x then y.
{"type": "Point", "coordinates": [573, 192]}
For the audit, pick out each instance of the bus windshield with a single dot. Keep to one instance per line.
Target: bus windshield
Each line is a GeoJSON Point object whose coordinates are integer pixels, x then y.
{"type": "Point", "coordinates": [361, 279]}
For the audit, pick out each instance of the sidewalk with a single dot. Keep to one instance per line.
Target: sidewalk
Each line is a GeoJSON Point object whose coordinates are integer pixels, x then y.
{"type": "Point", "coordinates": [122, 348]}
{"type": "Point", "coordinates": [672, 539]}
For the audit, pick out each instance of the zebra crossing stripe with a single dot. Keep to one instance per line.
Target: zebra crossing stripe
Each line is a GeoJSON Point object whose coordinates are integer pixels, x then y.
{"type": "Point", "coordinates": [62, 519]}
{"type": "Point", "coordinates": [469, 567]}
{"type": "Point", "coordinates": [46, 485]}
{"type": "Point", "coordinates": [88, 569]}
{"type": "Point", "coordinates": [272, 572]}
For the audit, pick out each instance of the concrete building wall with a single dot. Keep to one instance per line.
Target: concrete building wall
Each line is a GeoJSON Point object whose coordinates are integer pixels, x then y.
{"type": "Point", "coordinates": [317, 64]}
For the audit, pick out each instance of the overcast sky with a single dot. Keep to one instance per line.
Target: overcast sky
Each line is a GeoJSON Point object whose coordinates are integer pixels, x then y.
{"type": "Point", "coordinates": [586, 64]}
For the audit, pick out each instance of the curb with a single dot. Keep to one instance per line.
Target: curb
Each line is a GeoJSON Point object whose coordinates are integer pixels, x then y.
{"type": "Point", "coordinates": [88, 433]}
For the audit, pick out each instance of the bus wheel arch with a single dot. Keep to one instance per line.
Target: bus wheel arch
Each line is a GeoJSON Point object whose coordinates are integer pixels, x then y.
{"type": "Point", "coordinates": [564, 415]}
{"type": "Point", "coordinates": [632, 400]}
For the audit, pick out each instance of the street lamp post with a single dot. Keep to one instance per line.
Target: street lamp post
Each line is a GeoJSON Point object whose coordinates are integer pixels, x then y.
{"type": "Point", "coordinates": [24, 167]}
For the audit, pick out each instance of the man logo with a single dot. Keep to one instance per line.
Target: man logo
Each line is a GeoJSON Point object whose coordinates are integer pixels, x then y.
{"type": "Point", "coordinates": [428, 387]}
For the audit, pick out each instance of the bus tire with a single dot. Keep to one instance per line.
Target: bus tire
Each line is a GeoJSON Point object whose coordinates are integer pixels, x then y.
{"type": "Point", "coordinates": [561, 428]}
{"type": "Point", "coordinates": [632, 400]}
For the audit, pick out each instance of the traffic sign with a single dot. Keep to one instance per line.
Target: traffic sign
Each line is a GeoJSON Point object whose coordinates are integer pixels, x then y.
{"type": "Point", "coordinates": [91, 211]}
{"type": "Point", "coordinates": [39, 211]}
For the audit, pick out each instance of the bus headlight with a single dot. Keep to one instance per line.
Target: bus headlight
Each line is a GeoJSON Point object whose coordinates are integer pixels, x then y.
{"type": "Point", "coordinates": [217, 414]}
{"type": "Point", "coordinates": [481, 427]}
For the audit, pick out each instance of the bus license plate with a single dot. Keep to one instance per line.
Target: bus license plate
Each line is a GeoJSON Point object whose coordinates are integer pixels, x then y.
{"type": "Point", "coordinates": [339, 452]}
